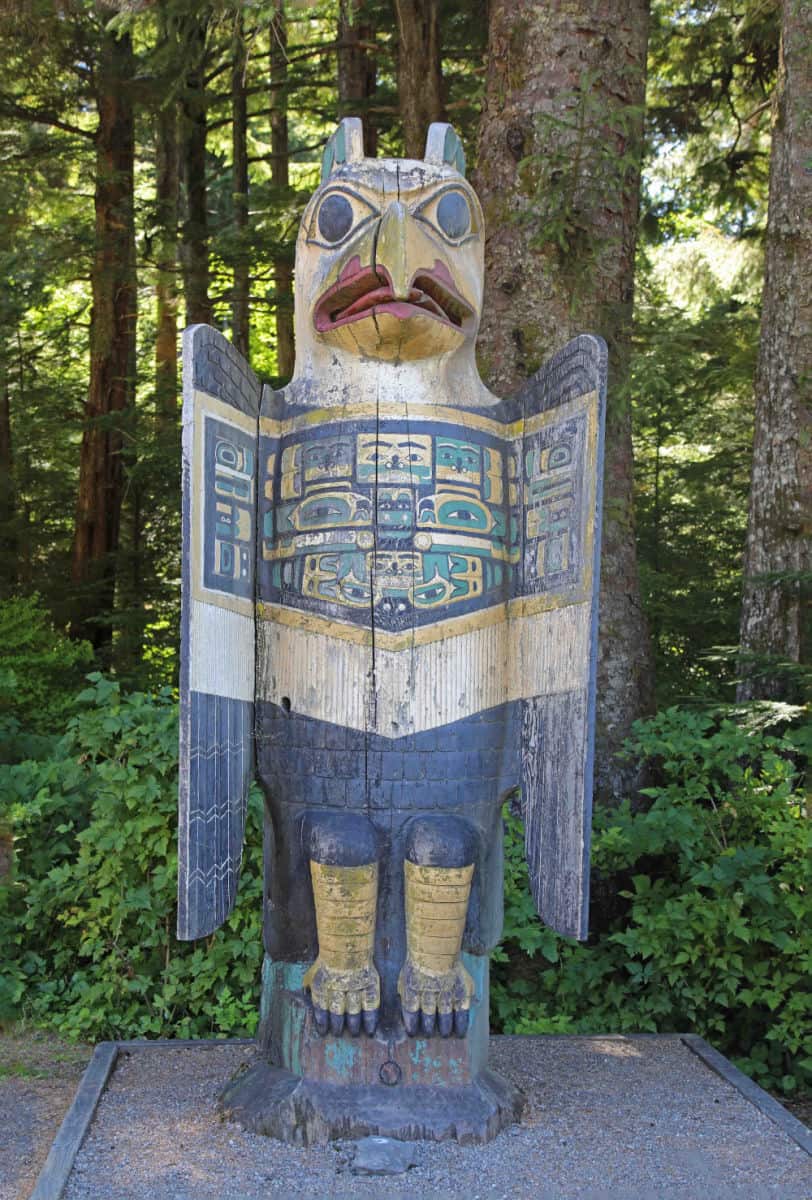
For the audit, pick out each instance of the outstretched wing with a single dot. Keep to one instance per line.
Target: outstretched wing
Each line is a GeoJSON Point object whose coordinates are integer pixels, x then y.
{"type": "Point", "coordinates": [221, 400]}
{"type": "Point", "coordinates": [560, 470]}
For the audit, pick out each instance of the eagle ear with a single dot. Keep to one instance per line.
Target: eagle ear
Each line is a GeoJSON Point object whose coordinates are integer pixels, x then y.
{"type": "Point", "coordinates": [345, 145]}
{"type": "Point", "coordinates": [444, 148]}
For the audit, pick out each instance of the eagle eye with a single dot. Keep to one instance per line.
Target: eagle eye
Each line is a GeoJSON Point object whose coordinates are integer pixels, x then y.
{"type": "Point", "coordinates": [335, 218]}
{"type": "Point", "coordinates": [338, 214]}
{"type": "Point", "coordinates": [453, 214]}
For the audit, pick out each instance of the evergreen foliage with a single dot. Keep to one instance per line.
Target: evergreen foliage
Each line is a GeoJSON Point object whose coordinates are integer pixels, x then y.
{"type": "Point", "coordinates": [88, 921]}
{"type": "Point", "coordinates": [715, 932]}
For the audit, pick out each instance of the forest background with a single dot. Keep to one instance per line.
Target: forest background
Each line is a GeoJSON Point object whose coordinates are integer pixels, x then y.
{"type": "Point", "coordinates": [645, 174]}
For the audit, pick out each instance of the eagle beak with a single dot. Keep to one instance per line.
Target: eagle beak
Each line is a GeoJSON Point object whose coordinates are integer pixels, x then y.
{"type": "Point", "coordinates": [396, 246]}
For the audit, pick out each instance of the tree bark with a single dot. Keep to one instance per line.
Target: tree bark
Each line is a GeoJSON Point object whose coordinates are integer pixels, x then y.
{"type": "Point", "coordinates": [780, 512]}
{"type": "Point", "coordinates": [109, 406]}
{"type": "Point", "coordinates": [166, 290]}
{"type": "Point", "coordinates": [195, 244]}
{"type": "Point", "coordinates": [420, 79]}
{"type": "Point", "coordinates": [559, 177]}
{"type": "Point", "coordinates": [357, 75]}
{"type": "Point", "coordinates": [8, 501]}
{"type": "Point", "coordinates": [240, 303]}
{"type": "Point", "coordinates": [280, 180]}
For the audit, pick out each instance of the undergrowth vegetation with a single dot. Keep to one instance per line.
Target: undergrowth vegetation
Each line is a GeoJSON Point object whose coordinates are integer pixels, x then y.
{"type": "Point", "coordinates": [713, 934]}
{"type": "Point", "coordinates": [710, 926]}
{"type": "Point", "coordinates": [88, 920]}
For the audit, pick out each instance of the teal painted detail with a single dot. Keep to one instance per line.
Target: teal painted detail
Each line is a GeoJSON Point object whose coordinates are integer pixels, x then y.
{"type": "Point", "coordinates": [278, 1011]}
{"type": "Point", "coordinates": [341, 1054]}
{"type": "Point", "coordinates": [439, 507]}
{"type": "Point", "coordinates": [453, 152]}
{"type": "Point", "coordinates": [478, 967]}
{"type": "Point", "coordinates": [282, 1010]}
{"type": "Point", "coordinates": [327, 162]}
{"type": "Point", "coordinates": [340, 144]}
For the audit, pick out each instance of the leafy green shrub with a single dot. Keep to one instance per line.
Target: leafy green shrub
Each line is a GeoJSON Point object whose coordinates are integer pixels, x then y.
{"type": "Point", "coordinates": [88, 923]}
{"type": "Point", "coordinates": [717, 933]}
{"type": "Point", "coordinates": [40, 673]}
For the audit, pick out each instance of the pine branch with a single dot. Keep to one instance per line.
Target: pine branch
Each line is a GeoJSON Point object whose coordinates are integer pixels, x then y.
{"type": "Point", "coordinates": [40, 116]}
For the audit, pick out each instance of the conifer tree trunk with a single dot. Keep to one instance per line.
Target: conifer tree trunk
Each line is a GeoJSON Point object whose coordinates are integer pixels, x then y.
{"type": "Point", "coordinates": [559, 177]}
{"type": "Point", "coordinates": [8, 503]}
{"type": "Point", "coordinates": [420, 80]}
{"type": "Point", "coordinates": [779, 523]}
{"type": "Point", "coordinates": [240, 303]}
{"type": "Point", "coordinates": [195, 244]}
{"type": "Point", "coordinates": [280, 179]}
{"type": "Point", "coordinates": [109, 406]}
{"type": "Point", "coordinates": [357, 73]}
{"type": "Point", "coordinates": [166, 290]}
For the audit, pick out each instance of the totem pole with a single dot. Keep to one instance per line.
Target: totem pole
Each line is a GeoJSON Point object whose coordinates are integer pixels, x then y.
{"type": "Point", "coordinates": [389, 615]}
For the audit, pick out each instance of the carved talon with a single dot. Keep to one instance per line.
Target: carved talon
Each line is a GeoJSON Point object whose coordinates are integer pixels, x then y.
{"type": "Point", "coordinates": [435, 1001]}
{"type": "Point", "coordinates": [434, 987]}
{"type": "Point", "coordinates": [338, 995]}
{"type": "Point", "coordinates": [344, 985]}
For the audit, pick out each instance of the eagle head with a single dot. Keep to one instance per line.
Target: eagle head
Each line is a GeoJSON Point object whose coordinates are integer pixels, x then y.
{"type": "Point", "coordinates": [389, 258]}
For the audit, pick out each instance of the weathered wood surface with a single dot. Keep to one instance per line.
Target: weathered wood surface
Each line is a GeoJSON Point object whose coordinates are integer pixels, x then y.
{"type": "Point", "coordinates": [391, 594]}
{"type": "Point", "coordinates": [221, 398]}
{"type": "Point", "coordinates": [558, 733]}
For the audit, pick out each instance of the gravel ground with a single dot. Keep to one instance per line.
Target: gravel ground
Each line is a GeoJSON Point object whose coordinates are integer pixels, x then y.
{"type": "Point", "coordinates": [627, 1118]}
{"type": "Point", "coordinates": [38, 1080]}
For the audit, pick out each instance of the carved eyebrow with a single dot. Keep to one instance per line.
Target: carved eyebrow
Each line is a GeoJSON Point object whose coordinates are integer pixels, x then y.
{"type": "Point", "coordinates": [388, 444]}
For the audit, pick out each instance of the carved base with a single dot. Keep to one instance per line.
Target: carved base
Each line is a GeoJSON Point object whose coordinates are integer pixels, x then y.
{"type": "Point", "coordinates": [288, 1038]}
{"type": "Point", "coordinates": [274, 1102]}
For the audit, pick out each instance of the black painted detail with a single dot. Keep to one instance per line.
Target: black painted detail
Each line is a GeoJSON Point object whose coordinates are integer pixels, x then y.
{"type": "Point", "coordinates": [441, 841]}
{"type": "Point", "coordinates": [337, 839]}
{"type": "Point", "coordinates": [335, 217]}
{"type": "Point", "coordinates": [390, 1073]}
{"type": "Point", "coordinates": [453, 214]}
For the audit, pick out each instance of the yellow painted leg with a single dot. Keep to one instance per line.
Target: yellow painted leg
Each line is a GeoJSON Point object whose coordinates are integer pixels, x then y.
{"type": "Point", "coordinates": [434, 986]}
{"type": "Point", "coordinates": [343, 980]}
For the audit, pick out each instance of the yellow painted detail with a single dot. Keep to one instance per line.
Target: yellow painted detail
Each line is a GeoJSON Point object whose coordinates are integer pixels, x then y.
{"type": "Point", "coordinates": [425, 635]}
{"type": "Point", "coordinates": [427, 412]}
{"type": "Point", "coordinates": [433, 978]}
{"type": "Point", "coordinates": [436, 907]}
{"type": "Point", "coordinates": [343, 979]}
